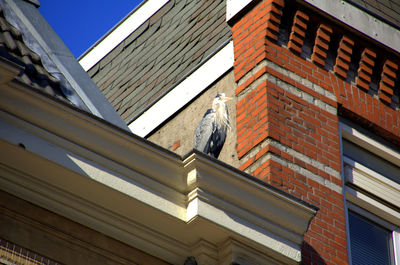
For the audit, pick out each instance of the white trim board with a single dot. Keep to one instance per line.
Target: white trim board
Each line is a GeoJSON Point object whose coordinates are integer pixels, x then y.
{"type": "Point", "coordinates": [120, 32]}
{"type": "Point", "coordinates": [187, 90]}
{"type": "Point", "coordinates": [358, 137]}
{"type": "Point", "coordinates": [233, 7]}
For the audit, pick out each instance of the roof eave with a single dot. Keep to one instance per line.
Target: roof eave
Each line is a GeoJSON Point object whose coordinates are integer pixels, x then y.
{"type": "Point", "coordinates": [200, 201]}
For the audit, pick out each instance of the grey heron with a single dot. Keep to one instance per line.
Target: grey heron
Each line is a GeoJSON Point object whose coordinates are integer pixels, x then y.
{"type": "Point", "coordinates": [211, 132]}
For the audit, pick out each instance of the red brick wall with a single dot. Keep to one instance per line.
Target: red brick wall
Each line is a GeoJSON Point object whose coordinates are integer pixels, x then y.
{"type": "Point", "coordinates": [289, 103]}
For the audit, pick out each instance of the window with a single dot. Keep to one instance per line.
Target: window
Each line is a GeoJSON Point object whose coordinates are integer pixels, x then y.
{"type": "Point", "coordinates": [370, 242]}
{"type": "Point", "coordinates": [372, 190]}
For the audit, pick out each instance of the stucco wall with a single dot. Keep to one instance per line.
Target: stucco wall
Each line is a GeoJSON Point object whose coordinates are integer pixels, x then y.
{"type": "Point", "coordinates": [177, 134]}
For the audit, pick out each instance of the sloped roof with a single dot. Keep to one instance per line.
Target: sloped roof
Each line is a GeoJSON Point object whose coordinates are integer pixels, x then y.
{"type": "Point", "coordinates": [389, 10]}
{"type": "Point", "coordinates": [160, 52]}
{"type": "Point", "coordinates": [13, 48]}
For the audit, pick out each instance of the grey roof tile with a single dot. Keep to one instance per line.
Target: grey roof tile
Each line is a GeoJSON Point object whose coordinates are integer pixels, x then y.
{"type": "Point", "coordinates": [14, 49]}
{"type": "Point", "coordinates": [167, 46]}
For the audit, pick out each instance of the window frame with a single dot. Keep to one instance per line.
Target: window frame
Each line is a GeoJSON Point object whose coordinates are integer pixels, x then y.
{"type": "Point", "coordinates": [379, 221]}
{"type": "Point", "coordinates": [367, 204]}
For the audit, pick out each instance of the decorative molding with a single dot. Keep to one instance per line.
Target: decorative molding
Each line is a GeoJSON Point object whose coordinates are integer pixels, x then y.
{"type": "Point", "coordinates": [345, 12]}
{"type": "Point", "coordinates": [182, 201]}
{"type": "Point", "coordinates": [234, 252]}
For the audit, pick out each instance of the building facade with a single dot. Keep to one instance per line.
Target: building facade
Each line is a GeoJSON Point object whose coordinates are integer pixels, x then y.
{"type": "Point", "coordinates": [316, 108]}
{"type": "Point", "coordinates": [77, 187]}
{"type": "Point", "coordinates": [310, 170]}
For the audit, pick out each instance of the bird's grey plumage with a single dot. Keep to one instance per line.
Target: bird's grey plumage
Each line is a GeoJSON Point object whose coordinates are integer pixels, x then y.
{"type": "Point", "coordinates": [211, 132]}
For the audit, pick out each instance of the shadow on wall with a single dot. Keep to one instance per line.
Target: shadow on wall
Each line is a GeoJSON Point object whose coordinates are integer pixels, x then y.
{"type": "Point", "coordinates": [310, 254]}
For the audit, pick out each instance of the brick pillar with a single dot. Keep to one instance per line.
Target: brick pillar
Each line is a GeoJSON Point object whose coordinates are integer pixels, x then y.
{"type": "Point", "coordinates": [287, 123]}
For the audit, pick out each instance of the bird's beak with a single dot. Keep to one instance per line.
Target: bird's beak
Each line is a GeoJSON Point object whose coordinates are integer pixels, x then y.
{"type": "Point", "coordinates": [227, 98]}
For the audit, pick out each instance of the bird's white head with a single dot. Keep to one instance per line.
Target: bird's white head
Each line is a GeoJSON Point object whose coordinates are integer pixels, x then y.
{"type": "Point", "coordinates": [221, 98]}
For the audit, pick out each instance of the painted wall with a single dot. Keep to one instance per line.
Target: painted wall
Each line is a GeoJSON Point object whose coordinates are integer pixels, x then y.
{"type": "Point", "coordinates": [177, 134]}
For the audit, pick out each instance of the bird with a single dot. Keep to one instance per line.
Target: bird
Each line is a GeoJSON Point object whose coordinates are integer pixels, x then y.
{"type": "Point", "coordinates": [211, 132]}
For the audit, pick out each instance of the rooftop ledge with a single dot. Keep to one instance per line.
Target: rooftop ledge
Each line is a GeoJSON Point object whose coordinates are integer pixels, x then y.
{"type": "Point", "coordinates": [347, 13]}
{"type": "Point", "coordinates": [110, 180]}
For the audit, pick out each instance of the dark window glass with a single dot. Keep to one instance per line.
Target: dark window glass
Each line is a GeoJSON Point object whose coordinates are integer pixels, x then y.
{"type": "Point", "coordinates": [370, 243]}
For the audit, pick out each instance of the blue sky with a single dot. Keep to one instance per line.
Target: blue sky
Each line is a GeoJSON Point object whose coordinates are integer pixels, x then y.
{"type": "Point", "coordinates": [80, 23]}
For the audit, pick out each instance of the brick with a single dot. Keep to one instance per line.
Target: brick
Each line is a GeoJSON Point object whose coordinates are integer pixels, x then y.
{"type": "Point", "coordinates": [300, 23]}
{"type": "Point", "coordinates": [340, 72]}
{"type": "Point", "coordinates": [302, 15]}
{"type": "Point", "coordinates": [326, 28]}
{"type": "Point", "coordinates": [388, 80]}
{"type": "Point", "coordinates": [370, 53]}
{"type": "Point", "coordinates": [365, 68]}
{"type": "Point", "coordinates": [364, 76]}
{"type": "Point", "coordinates": [318, 60]}
{"type": "Point", "coordinates": [345, 46]}
{"type": "Point", "coordinates": [388, 71]}
{"type": "Point", "coordinates": [344, 56]}
{"type": "Point", "coordinates": [383, 97]}
{"type": "Point", "coordinates": [321, 43]}
{"type": "Point", "coordinates": [342, 64]}
{"type": "Point", "coordinates": [273, 8]}
{"type": "Point", "coordinates": [299, 31]}
{"type": "Point", "coordinates": [296, 39]}
{"type": "Point", "coordinates": [348, 41]}
{"type": "Point", "coordinates": [388, 90]}
{"type": "Point", "coordinates": [272, 35]}
{"type": "Point", "coordinates": [323, 35]}
{"type": "Point", "coordinates": [392, 65]}
{"type": "Point", "coordinates": [294, 47]}
{"type": "Point", "coordinates": [320, 52]}
{"type": "Point", "coordinates": [176, 145]}
{"type": "Point", "coordinates": [368, 60]}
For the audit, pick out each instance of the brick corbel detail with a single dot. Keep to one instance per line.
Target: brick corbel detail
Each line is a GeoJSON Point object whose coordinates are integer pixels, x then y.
{"type": "Point", "coordinates": [388, 80]}
{"type": "Point", "coordinates": [365, 69]}
{"type": "Point", "coordinates": [343, 58]}
{"type": "Point", "coordinates": [298, 33]}
{"type": "Point", "coordinates": [321, 47]}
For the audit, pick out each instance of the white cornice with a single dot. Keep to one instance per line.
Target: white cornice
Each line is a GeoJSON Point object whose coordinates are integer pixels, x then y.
{"type": "Point", "coordinates": [102, 177]}
{"type": "Point", "coordinates": [129, 24]}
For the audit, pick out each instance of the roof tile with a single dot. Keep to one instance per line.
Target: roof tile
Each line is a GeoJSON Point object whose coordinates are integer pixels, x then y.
{"type": "Point", "coordinates": [167, 46]}
{"type": "Point", "coordinates": [13, 48]}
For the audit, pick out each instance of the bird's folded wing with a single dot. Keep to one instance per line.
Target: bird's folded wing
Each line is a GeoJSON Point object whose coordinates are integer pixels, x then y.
{"type": "Point", "coordinates": [204, 131]}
